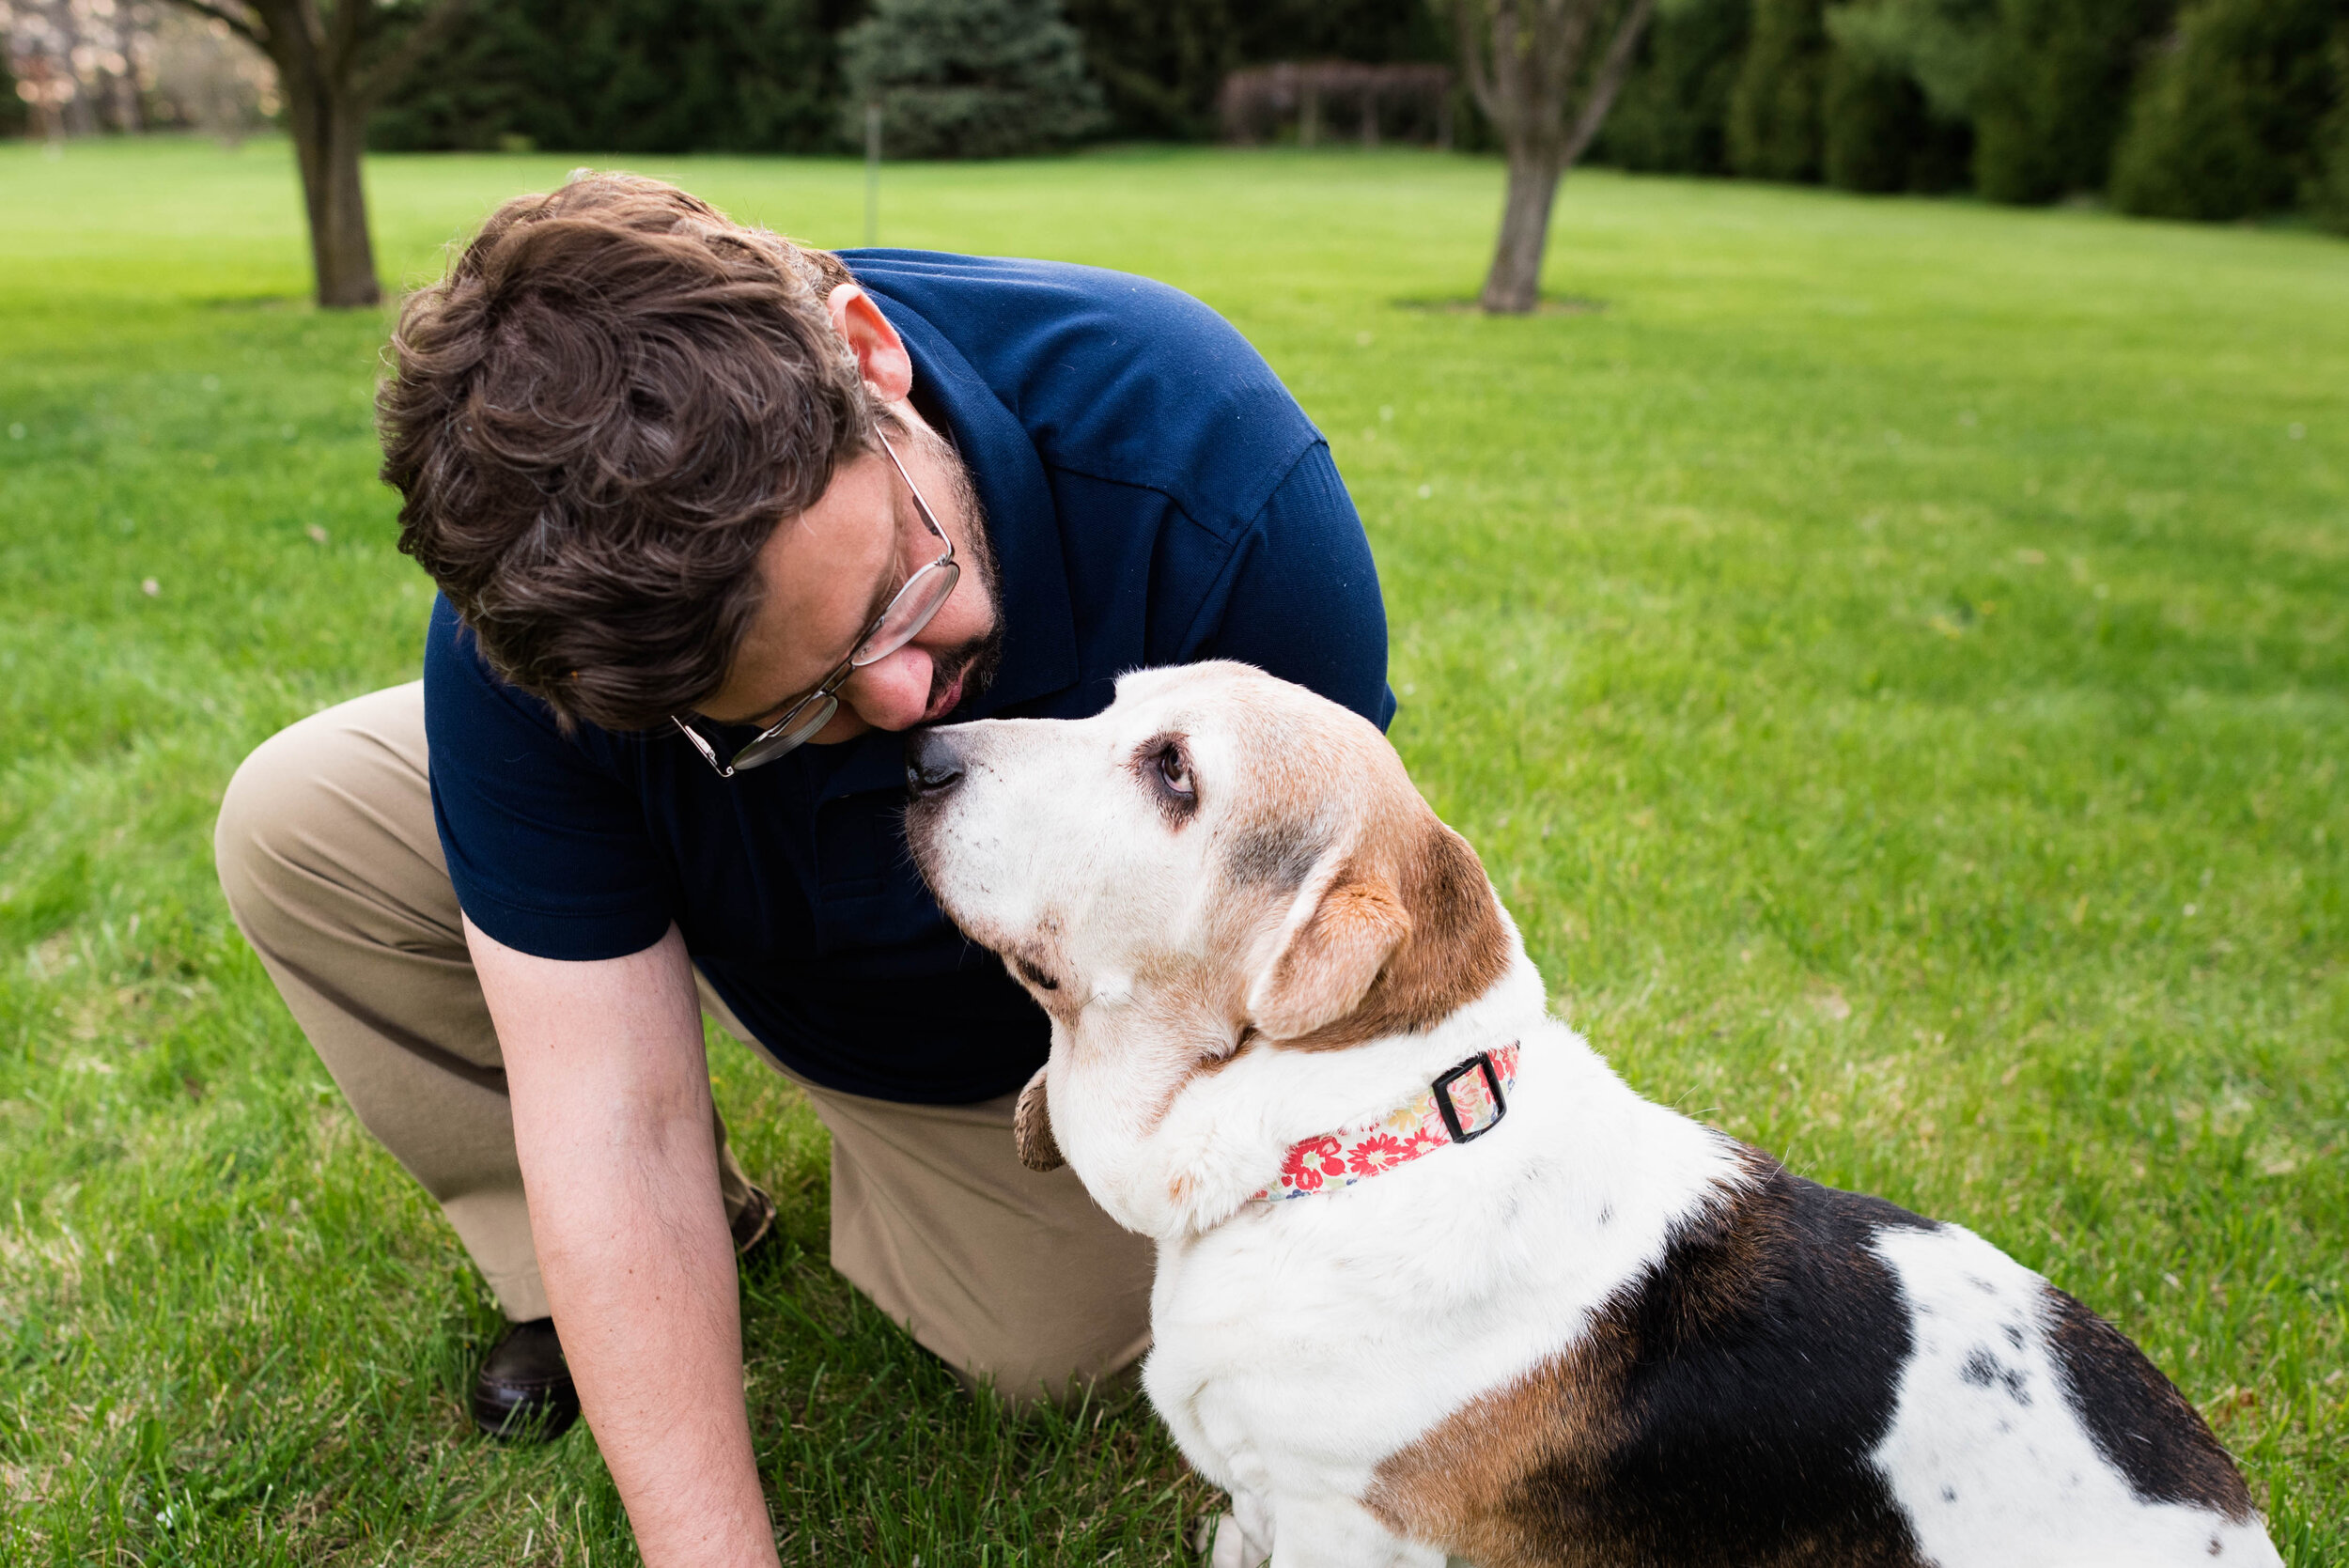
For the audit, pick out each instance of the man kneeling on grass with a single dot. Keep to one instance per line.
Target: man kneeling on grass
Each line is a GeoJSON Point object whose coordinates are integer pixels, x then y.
{"type": "Point", "coordinates": [710, 515]}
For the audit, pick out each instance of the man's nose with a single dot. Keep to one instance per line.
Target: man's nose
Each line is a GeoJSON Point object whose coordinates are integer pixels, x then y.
{"type": "Point", "coordinates": [933, 763]}
{"type": "Point", "coordinates": [890, 693]}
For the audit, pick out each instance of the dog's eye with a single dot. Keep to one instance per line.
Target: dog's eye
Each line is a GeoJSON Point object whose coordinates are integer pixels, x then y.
{"type": "Point", "coordinates": [1161, 765]}
{"type": "Point", "coordinates": [1174, 771]}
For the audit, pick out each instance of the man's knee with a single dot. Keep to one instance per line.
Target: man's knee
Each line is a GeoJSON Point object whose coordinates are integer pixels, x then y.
{"type": "Point", "coordinates": [313, 804]}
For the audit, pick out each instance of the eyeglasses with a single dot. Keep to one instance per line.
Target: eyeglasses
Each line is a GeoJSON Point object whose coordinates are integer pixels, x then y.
{"type": "Point", "coordinates": [900, 622]}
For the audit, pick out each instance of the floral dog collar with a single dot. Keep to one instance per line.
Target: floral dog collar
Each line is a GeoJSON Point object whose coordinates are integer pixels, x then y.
{"type": "Point", "coordinates": [1467, 1102]}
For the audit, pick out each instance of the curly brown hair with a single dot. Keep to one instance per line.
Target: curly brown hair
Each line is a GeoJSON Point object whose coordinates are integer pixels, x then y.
{"type": "Point", "coordinates": [597, 420]}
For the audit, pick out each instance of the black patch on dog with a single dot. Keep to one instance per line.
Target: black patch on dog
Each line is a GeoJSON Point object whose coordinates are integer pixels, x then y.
{"type": "Point", "coordinates": [2139, 1420]}
{"type": "Point", "coordinates": [1276, 856]}
{"type": "Point", "coordinates": [1981, 1368]}
{"type": "Point", "coordinates": [1761, 1362]}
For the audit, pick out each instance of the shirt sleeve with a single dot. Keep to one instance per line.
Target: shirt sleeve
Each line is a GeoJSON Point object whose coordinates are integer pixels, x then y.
{"type": "Point", "coordinates": [1299, 598]}
{"type": "Point", "coordinates": [548, 849]}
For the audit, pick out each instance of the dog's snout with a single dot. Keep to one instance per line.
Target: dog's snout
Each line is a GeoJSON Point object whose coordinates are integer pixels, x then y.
{"type": "Point", "coordinates": [933, 765]}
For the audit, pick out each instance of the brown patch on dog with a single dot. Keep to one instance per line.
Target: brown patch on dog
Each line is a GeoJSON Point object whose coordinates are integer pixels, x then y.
{"type": "Point", "coordinates": [1031, 1127]}
{"type": "Point", "coordinates": [1720, 1408]}
{"type": "Point", "coordinates": [1451, 948]}
{"type": "Point", "coordinates": [1462, 1483]}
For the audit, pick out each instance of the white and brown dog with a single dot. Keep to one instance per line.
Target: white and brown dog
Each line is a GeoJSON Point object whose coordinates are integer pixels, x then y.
{"type": "Point", "coordinates": [1432, 1281]}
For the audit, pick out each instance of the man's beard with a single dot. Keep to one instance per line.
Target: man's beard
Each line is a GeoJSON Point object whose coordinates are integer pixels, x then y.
{"type": "Point", "coordinates": [973, 663]}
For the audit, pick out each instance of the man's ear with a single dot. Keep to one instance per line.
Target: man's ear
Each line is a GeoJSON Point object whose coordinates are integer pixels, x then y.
{"type": "Point", "coordinates": [880, 353]}
{"type": "Point", "coordinates": [1031, 1127]}
{"type": "Point", "coordinates": [1330, 956]}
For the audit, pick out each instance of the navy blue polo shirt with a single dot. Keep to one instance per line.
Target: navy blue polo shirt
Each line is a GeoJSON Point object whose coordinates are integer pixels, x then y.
{"type": "Point", "coordinates": [1155, 496]}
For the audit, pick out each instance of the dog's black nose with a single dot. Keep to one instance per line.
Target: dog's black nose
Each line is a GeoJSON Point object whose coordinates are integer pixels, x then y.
{"type": "Point", "coordinates": [932, 764]}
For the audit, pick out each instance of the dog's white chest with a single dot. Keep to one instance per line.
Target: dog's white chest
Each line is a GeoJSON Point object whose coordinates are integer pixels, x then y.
{"type": "Point", "coordinates": [1306, 1342]}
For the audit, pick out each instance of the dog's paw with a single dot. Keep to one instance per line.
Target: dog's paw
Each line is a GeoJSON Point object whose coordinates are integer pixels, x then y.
{"type": "Point", "coordinates": [1230, 1547]}
{"type": "Point", "coordinates": [1210, 1172]}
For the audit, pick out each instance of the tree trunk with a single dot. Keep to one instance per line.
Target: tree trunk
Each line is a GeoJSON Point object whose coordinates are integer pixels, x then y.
{"type": "Point", "coordinates": [1523, 60]}
{"type": "Point", "coordinates": [1512, 287]}
{"type": "Point", "coordinates": [328, 132]}
{"type": "Point", "coordinates": [341, 251]}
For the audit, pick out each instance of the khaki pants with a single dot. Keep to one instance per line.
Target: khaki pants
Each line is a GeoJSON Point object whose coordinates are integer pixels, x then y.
{"type": "Point", "coordinates": [327, 851]}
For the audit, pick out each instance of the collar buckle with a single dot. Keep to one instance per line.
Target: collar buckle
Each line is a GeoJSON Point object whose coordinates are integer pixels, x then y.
{"type": "Point", "coordinates": [1488, 1092]}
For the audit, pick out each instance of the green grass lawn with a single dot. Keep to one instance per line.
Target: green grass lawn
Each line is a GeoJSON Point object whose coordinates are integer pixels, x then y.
{"type": "Point", "coordinates": [1893, 657]}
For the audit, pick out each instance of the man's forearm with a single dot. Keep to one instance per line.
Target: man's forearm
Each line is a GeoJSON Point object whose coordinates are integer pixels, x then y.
{"type": "Point", "coordinates": [611, 1119]}
{"type": "Point", "coordinates": [640, 1269]}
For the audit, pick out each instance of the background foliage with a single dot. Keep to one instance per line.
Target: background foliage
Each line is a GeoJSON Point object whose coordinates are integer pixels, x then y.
{"type": "Point", "coordinates": [539, 68]}
{"type": "Point", "coordinates": [2223, 109]}
{"type": "Point", "coordinates": [2231, 119]}
{"type": "Point", "coordinates": [2197, 109]}
{"type": "Point", "coordinates": [13, 116]}
{"type": "Point", "coordinates": [625, 76]}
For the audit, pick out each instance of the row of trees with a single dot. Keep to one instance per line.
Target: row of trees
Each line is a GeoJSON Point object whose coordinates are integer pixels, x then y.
{"type": "Point", "coordinates": [2208, 109]}
{"type": "Point", "coordinates": [2187, 108]}
{"type": "Point", "coordinates": [793, 75]}
{"type": "Point", "coordinates": [2192, 108]}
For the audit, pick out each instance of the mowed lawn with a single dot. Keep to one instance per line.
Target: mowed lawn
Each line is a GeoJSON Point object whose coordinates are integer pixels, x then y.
{"type": "Point", "coordinates": [1892, 655]}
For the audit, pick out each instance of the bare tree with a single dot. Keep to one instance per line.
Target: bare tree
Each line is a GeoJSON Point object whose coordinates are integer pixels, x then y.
{"type": "Point", "coordinates": [336, 59]}
{"type": "Point", "coordinates": [1530, 64]}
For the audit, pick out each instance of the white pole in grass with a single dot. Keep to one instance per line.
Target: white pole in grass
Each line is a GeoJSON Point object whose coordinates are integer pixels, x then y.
{"type": "Point", "coordinates": [872, 174]}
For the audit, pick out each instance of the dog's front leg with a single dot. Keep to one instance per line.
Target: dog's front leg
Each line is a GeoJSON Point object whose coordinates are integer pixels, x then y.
{"type": "Point", "coordinates": [1243, 1537]}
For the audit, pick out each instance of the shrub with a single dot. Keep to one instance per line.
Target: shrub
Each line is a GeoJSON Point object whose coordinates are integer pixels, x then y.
{"type": "Point", "coordinates": [1941, 45]}
{"type": "Point", "coordinates": [1774, 107]}
{"type": "Point", "coordinates": [2226, 123]}
{"type": "Point", "coordinates": [971, 78]}
{"type": "Point", "coordinates": [1672, 114]}
{"type": "Point", "coordinates": [2328, 193]}
{"type": "Point", "coordinates": [622, 76]}
{"type": "Point", "coordinates": [1878, 132]}
{"type": "Point", "coordinates": [2054, 92]}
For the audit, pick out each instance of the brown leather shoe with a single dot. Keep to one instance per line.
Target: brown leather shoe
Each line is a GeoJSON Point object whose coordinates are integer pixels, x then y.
{"type": "Point", "coordinates": [524, 1392]}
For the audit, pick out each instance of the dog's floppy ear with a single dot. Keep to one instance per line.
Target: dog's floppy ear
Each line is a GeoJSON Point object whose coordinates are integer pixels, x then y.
{"type": "Point", "coordinates": [1031, 1127]}
{"type": "Point", "coordinates": [1330, 956]}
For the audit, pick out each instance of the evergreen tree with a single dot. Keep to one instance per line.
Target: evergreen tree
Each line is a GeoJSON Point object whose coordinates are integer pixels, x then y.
{"type": "Point", "coordinates": [1159, 62]}
{"type": "Point", "coordinates": [2054, 93]}
{"type": "Point", "coordinates": [2328, 193]}
{"type": "Point", "coordinates": [2227, 123]}
{"type": "Point", "coordinates": [971, 78]}
{"type": "Point", "coordinates": [1942, 45]}
{"type": "Point", "coordinates": [624, 76]}
{"type": "Point", "coordinates": [1774, 107]}
{"type": "Point", "coordinates": [1673, 117]}
{"type": "Point", "coordinates": [1878, 131]}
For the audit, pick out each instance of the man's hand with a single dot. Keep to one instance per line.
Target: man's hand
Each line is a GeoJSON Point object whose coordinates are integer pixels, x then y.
{"type": "Point", "coordinates": [613, 1120]}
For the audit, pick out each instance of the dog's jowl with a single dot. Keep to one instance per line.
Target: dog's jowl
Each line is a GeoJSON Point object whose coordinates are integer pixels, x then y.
{"type": "Point", "coordinates": [1432, 1282]}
